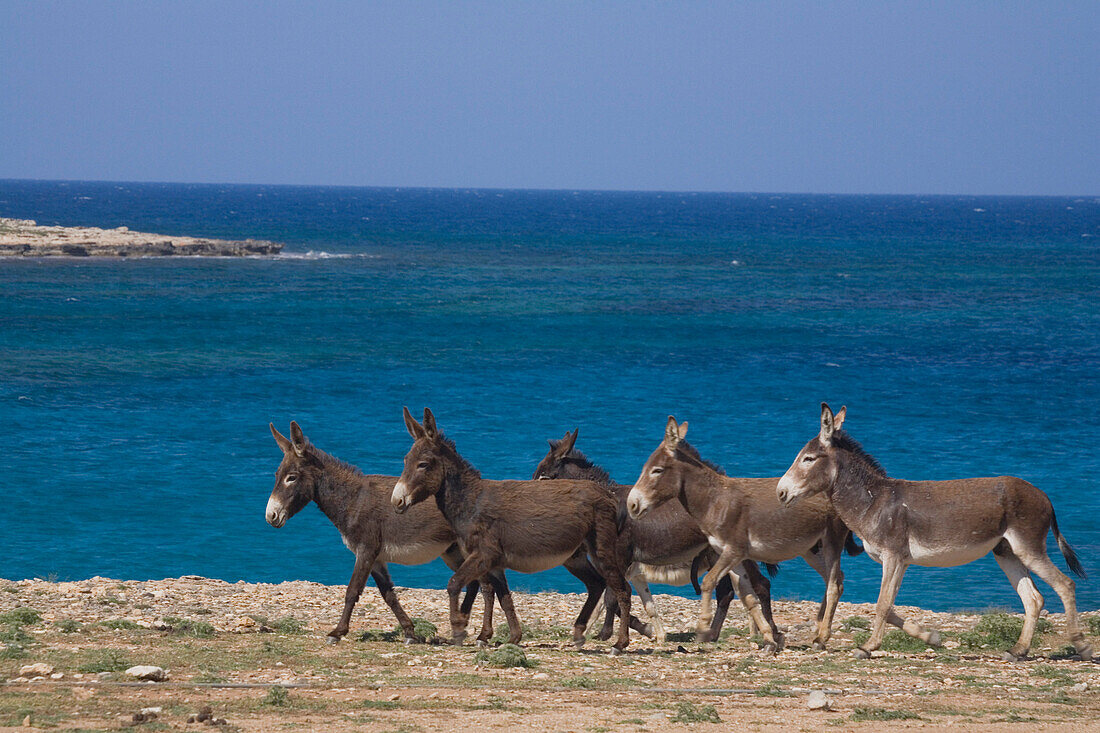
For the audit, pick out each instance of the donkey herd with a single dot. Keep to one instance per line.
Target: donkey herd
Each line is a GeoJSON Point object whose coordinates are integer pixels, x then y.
{"type": "Point", "coordinates": [682, 516]}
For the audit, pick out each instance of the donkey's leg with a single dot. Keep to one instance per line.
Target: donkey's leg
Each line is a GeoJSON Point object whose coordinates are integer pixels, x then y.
{"type": "Point", "coordinates": [487, 595]}
{"type": "Point", "coordinates": [1020, 579]}
{"type": "Point", "coordinates": [655, 629]}
{"type": "Point", "coordinates": [1037, 562]}
{"type": "Point", "coordinates": [724, 591]}
{"type": "Point", "coordinates": [476, 565]}
{"type": "Point", "coordinates": [752, 604]}
{"type": "Point", "coordinates": [722, 565]}
{"type": "Point", "coordinates": [582, 569]}
{"type": "Point", "coordinates": [382, 579]}
{"type": "Point", "coordinates": [832, 548]}
{"type": "Point", "coordinates": [761, 587]}
{"type": "Point", "coordinates": [504, 595]}
{"type": "Point", "coordinates": [364, 561]}
{"type": "Point", "coordinates": [453, 558]}
{"type": "Point", "coordinates": [893, 569]}
{"type": "Point", "coordinates": [609, 558]}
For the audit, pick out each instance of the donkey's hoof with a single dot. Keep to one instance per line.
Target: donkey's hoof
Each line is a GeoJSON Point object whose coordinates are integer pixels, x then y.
{"type": "Point", "coordinates": [458, 637]}
{"type": "Point", "coordinates": [935, 639]}
{"type": "Point", "coordinates": [818, 646]}
{"type": "Point", "coordinates": [616, 651]}
{"type": "Point", "coordinates": [481, 643]}
{"type": "Point", "coordinates": [1013, 657]}
{"type": "Point", "coordinates": [648, 630]}
{"type": "Point", "coordinates": [769, 649]}
{"type": "Point", "coordinates": [861, 653]}
{"type": "Point", "coordinates": [413, 640]}
{"type": "Point", "coordinates": [332, 639]}
{"type": "Point", "coordinates": [1085, 652]}
{"type": "Point", "coordinates": [578, 643]}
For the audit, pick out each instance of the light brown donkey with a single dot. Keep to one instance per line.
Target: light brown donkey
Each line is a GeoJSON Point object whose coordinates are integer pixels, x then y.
{"type": "Point", "coordinates": [742, 520]}
{"type": "Point", "coordinates": [523, 525]}
{"type": "Point", "coordinates": [936, 523]}
{"type": "Point", "coordinates": [359, 507]}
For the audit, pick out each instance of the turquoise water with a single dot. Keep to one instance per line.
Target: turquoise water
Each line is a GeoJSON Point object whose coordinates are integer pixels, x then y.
{"type": "Point", "coordinates": [960, 332]}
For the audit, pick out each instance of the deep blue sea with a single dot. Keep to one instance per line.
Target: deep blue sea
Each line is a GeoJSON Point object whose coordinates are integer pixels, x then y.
{"type": "Point", "coordinates": [962, 333]}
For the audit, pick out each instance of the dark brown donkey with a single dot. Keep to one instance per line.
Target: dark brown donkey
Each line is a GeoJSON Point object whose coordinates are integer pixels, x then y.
{"type": "Point", "coordinates": [358, 506]}
{"type": "Point", "coordinates": [935, 523]}
{"type": "Point", "coordinates": [665, 545]}
{"type": "Point", "coordinates": [523, 525]}
{"type": "Point", "coordinates": [743, 519]}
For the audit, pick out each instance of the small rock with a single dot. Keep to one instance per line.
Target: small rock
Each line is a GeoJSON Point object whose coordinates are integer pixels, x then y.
{"type": "Point", "coordinates": [1079, 687]}
{"type": "Point", "coordinates": [146, 711]}
{"type": "Point", "coordinates": [951, 644]}
{"type": "Point", "coordinates": [394, 698]}
{"type": "Point", "coordinates": [147, 672]}
{"type": "Point", "coordinates": [18, 679]}
{"type": "Point", "coordinates": [541, 676]}
{"type": "Point", "coordinates": [39, 669]}
{"type": "Point", "coordinates": [57, 675]}
{"type": "Point", "coordinates": [27, 721]}
{"type": "Point", "coordinates": [817, 701]}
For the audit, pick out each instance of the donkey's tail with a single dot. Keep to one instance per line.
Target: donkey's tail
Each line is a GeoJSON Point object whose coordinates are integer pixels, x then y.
{"type": "Point", "coordinates": [695, 563]}
{"type": "Point", "coordinates": [1067, 551]}
{"type": "Point", "coordinates": [852, 547]}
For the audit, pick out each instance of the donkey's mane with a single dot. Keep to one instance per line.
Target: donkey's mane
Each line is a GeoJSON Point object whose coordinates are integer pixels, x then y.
{"type": "Point", "coordinates": [689, 449]}
{"type": "Point", "coordinates": [332, 463]}
{"type": "Point", "coordinates": [846, 442]}
{"type": "Point", "coordinates": [599, 473]}
{"type": "Point", "coordinates": [448, 447]}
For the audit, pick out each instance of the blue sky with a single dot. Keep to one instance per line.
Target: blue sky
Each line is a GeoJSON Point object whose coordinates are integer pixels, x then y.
{"type": "Point", "coordinates": [896, 97]}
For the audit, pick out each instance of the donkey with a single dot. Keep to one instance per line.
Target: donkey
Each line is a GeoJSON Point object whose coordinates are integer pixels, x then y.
{"type": "Point", "coordinates": [666, 546]}
{"type": "Point", "coordinates": [523, 525]}
{"type": "Point", "coordinates": [356, 504]}
{"type": "Point", "coordinates": [742, 520]}
{"type": "Point", "coordinates": [935, 523]}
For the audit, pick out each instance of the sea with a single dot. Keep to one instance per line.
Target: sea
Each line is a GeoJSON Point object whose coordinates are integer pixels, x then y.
{"type": "Point", "coordinates": [961, 332]}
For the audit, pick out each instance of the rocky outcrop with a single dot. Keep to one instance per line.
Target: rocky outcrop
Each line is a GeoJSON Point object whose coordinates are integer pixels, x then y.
{"type": "Point", "coordinates": [24, 238]}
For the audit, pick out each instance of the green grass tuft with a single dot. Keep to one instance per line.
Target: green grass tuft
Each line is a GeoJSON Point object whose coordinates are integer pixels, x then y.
{"type": "Point", "coordinates": [68, 626]}
{"type": "Point", "coordinates": [120, 624]}
{"type": "Point", "coordinates": [1093, 623]}
{"type": "Point", "coordinates": [855, 622]}
{"type": "Point", "coordinates": [688, 712]}
{"type": "Point", "coordinates": [1000, 631]}
{"type": "Point", "coordinates": [21, 617]}
{"type": "Point", "coordinates": [507, 655]}
{"type": "Point", "coordinates": [276, 697]}
{"type": "Point", "coordinates": [288, 625]}
{"type": "Point", "coordinates": [899, 641]}
{"type": "Point", "coordinates": [865, 714]}
{"type": "Point", "coordinates": [187, 627]}
{"type": "Point", "coordinates": [105, 660]}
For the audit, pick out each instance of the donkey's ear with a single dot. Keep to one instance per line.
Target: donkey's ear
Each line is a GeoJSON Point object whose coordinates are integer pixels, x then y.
{"type": "Point", "coordinates": [827, 425]}
{"type": "Point", "coordinates": [838, 419]}
{"type": "Point", "coordinates": [414, 428]}
{"type": "Point", "coordinates": [673, 434]}
{"type": "Point", "coordinates": [298, 439]}
{"type": "Point", "coordinates": [568, 442]}
{"type": "Point", "coordinates": [281, 439]}
{"type": "Point", "coordinates": [429, 424]}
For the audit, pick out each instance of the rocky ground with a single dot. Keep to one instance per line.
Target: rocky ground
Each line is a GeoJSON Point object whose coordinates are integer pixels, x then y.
{"type": "Point", "coordinates": [253, 657]}
{"type": "Point", "coordinates": [24, 238]}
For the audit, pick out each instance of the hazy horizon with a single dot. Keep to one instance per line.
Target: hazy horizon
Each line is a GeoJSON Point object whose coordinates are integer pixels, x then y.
{"type": "Point", "coordinates": [846, 98]}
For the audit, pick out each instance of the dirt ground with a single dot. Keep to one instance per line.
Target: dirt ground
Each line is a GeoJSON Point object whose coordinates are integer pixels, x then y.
{"type": "Point", "coordinates": [256, 656]}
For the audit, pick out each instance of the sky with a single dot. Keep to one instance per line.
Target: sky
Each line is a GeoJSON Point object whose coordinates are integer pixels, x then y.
{"type": "Point", "coordinates": [960, 97]}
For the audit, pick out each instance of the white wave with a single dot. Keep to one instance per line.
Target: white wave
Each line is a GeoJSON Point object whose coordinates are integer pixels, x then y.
{"type": "Point", "coordinates": [322, 255]}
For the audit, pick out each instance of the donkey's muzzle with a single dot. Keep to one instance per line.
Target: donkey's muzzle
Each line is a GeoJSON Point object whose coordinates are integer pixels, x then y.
{"type": "Point", "coordinates": [275, 514]}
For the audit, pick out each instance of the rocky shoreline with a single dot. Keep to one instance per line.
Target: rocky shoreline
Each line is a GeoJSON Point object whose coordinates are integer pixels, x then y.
{"type": "Point", "coordinates": [181, 653]}
{"type": "Point", "coordinates": [24, 238]}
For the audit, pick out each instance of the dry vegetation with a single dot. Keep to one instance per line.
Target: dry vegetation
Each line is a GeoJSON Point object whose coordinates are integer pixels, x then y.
{"type": "Point", "coordinates": [255, 654]}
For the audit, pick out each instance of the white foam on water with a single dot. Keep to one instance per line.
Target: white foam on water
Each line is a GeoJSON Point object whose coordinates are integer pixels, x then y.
{"type": "Point", "coordinates": [322, 255]}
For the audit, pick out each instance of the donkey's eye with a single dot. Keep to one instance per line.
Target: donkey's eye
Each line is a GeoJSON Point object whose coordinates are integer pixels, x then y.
{"type": "Point", "coordinates": [656, 470]}
{"type": "Point", "coordinates": [809, 459]}
{"type": "Point", "coordinates": [291, 478]}
{"type": "Point", "coordinates": [422, 465]}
